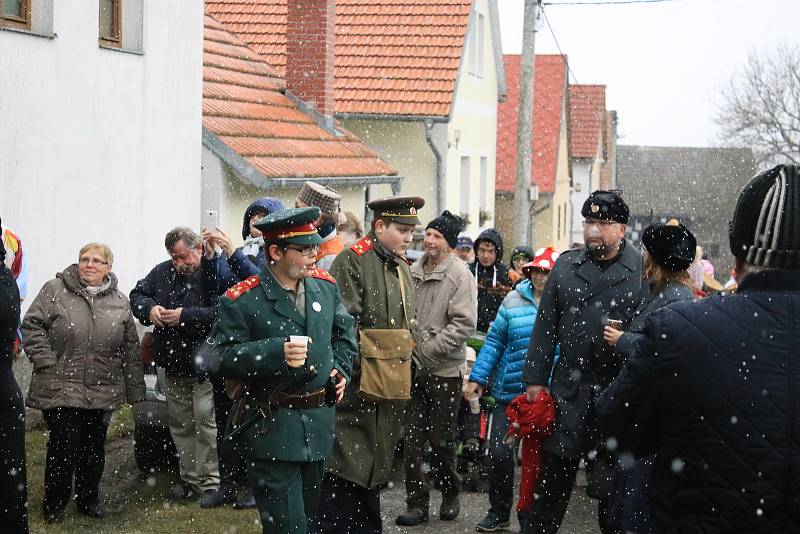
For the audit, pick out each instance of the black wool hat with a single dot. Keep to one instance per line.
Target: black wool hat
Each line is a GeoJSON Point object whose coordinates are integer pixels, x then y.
{"type": "Point", "coordinates": [765, 230]}
{"type": "Point", "coordinates": [449, 225]}
{"type": "Point", "coordinates": [606, 205]}
{"type": "Point", "coordinates": [671, 247]}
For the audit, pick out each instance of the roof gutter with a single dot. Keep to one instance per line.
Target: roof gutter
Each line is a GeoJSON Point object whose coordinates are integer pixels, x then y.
{"type": "Point", "coordinates": [252, 176]}
{"type": "Point", "coordinates": [401, 118]}
{"type": "Point", "coordinates": [439, 167]}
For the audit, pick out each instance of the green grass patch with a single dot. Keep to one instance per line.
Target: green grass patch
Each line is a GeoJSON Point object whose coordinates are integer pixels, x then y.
{"type": "Point", "coordinates": [136, 504]}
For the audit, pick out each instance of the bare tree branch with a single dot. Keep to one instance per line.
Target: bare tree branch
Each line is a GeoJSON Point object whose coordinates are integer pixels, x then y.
{"type": "Point", "coordinates": [760, 106]}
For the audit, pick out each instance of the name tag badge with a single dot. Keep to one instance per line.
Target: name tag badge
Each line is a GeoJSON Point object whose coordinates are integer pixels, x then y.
{"type": "Point", "coordinates": [316, 306]}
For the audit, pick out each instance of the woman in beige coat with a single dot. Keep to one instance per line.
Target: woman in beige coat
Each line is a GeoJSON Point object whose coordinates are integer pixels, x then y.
{"type": "Point", "coordinates": [80, 335]}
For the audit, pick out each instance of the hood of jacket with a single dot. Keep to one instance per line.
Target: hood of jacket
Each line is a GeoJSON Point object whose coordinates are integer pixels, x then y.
{"type": "Point", "coordinates": [492, 236]}
{"type": "Point", "coordinates": [73, 282]}
{"type": "Point", "coordinates": [266, 205]}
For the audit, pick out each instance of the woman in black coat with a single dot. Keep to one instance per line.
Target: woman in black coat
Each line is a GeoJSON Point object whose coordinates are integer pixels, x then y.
{"type": "Point", "coordinates": [669, 252]}
{"type": "Point", "coordinates": [13, 481]}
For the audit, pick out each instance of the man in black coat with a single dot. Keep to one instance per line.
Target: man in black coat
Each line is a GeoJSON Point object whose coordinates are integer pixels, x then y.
{"type": "Point", "coordinates": [587, 287]}
{"type": "Point", "coordinates": [714, 388]}
{"type": "Point", "coordinates": [176, 298]}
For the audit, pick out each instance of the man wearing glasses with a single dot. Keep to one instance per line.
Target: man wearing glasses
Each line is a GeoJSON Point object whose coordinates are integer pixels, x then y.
{"type": "Point", "coordinates": [287, 335]}
{"type": "Point", "coordinates": [588, 287]}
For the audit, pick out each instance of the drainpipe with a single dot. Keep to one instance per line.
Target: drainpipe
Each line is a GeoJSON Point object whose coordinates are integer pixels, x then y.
{"type": "Point", "coordinates": [439, 168]}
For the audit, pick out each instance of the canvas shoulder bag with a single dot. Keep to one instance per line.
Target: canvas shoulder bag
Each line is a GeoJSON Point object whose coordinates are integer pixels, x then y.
{"type": "Point", "coordinates": [386, 359]}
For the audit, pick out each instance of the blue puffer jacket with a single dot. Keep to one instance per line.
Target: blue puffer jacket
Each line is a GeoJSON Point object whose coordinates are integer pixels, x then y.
{"type": "Point", "coordinates": [507, 341]}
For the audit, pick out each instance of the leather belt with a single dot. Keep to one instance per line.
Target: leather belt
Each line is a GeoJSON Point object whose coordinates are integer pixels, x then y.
{"type": "Point", "coordinates": [312, 399]}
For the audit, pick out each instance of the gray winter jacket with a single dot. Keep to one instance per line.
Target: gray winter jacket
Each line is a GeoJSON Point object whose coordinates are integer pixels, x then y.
{"type": "Point", "coordinates": [84, 349]}
{"type": "Point", "coordinates": [447, 312]}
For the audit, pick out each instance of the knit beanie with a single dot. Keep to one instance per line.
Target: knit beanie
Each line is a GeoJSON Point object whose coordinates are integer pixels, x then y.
{"type": "Point", "coordinates": [765, 230]}
{"type": "Point", "coordinates": [449, 225]}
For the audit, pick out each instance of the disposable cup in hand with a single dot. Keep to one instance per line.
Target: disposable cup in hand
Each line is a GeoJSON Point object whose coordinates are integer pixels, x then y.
{"type": "Point", "coordinates": [302, 340]}
{"type": "Point", "coordinates": [475, 405]}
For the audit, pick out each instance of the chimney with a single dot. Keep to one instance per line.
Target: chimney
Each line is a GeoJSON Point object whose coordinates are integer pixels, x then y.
{"type": "Point", "coordinates": [309, 53]}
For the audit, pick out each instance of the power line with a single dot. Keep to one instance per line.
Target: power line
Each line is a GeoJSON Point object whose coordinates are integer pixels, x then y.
{"type": "Point", "coordinates": [608, 2]}
{"type": "Point", "coordinates": [555, 40]}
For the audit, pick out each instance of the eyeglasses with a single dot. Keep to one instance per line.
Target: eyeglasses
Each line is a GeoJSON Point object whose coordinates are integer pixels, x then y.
{"type": "Point", "coordinates": [93, 261]}
{"type": "Point", "coordinates": [602, 223]}
{"type": "Point", "coordinates": [307, 252]}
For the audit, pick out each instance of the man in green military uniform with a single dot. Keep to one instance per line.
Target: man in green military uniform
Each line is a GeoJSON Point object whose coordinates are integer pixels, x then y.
{"type": "Point", "coordinates": [378, 291]}
{"type": "Point", "coordinates": [286, 422]}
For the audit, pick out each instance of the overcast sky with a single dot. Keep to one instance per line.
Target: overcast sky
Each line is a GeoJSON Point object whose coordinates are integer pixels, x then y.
{"type": "Point", "coordinates": [663, 63]}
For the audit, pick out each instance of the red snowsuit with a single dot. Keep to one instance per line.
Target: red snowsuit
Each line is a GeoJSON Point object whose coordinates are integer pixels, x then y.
{"type": "Point", "coordinates": [531, 422]}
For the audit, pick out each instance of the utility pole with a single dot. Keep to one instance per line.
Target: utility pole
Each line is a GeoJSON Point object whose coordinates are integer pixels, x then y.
{"type": "Point", "coordinates": [522, 191]}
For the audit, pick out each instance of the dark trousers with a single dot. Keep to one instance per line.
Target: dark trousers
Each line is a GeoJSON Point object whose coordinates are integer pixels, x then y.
{"type": "Point", "coordinates": [552, 493]}
{"type": "Point", "coordinates": [13, 479]}
{"type": "Point", "coordinates": [76, 446]}
{"type": "Point", "coordinates": [347, 508]}
{"type": "Point", "coordinates": [287, 494]}
{"type": "Point", "coordinates": [431, 418]}
{"type": "Point", "coordinates": [501, 466]}
{"type": "Point", "coordinates": [231, 454]}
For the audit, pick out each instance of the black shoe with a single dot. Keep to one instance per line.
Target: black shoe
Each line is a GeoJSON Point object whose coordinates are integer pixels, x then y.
{"type": "Point", "coordinates": [92, 510]}
{"type": "Point", "coordinates": [215, 498]}
{"type": "Point", "coordinates": [450, 507]}
{"type": "Point", "coordinates": [184, 492]}
{"type": "Point", "coordinates": [54, 517]}
{"type": "Point", "coordinates": [246, 502]}
{"type": "Point", "coordinates": [412, 517]}
{"type": "Point", "coordinates": [492, 523]}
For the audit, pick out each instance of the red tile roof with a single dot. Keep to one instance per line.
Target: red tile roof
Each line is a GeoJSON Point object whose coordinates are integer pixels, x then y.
{"type": "Point", "coordinates": [550, 88]}
{"type": "Point", "coordinates": [586, 119]}
{"type": "Point", "coordinates": [378, 68]}
{"type": "Point", "coordinates": [244, 106]}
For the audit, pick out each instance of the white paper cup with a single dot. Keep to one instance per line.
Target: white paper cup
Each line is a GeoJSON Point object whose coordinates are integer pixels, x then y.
{"type": "Point", "coordinates": [303, 340]}
{"type": "Point", "coordinates": [475, 405]}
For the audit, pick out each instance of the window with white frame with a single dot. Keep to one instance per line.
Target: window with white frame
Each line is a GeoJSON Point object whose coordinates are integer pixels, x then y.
{"type": "Point", "coordinates": [465, 180]}
{"type": "Point", "coordinates": [475, 45]}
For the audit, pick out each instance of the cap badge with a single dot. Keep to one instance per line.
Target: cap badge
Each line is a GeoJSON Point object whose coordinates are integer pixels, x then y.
{"type": "Point", "coordinates": [413, 210]}
{"type": "Point", "coordinates": [595, 208]}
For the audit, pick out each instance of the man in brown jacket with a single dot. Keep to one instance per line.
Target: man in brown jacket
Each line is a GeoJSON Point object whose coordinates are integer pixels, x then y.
{"type": "Point", "coordinates": [447, 313]}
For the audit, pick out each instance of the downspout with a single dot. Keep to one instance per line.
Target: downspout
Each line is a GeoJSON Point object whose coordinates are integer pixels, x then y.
{"type": "Point", "coordinates": [439, 174]}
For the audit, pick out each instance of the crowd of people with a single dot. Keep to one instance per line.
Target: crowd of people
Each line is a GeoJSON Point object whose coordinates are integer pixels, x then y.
{"type": "Point", "coordinates": [296, 363]}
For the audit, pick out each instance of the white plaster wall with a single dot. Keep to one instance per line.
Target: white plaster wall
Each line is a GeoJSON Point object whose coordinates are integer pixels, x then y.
{"type": "Point", "coordinates": [403, 146]}
{"type": "Point", "coordinates": [101, 145]}
{"type": "Point", "coordinates": [581, 176]}
{"type": "Point", "coordinates": [472, 130]}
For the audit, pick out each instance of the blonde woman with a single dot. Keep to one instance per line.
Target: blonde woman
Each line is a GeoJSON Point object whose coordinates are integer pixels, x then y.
{"type": "Point", "coordinates": [80, 335]}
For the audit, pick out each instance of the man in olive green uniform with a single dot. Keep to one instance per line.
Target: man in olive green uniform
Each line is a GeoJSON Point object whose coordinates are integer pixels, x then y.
{"type": "Point", "coordinates": [286, 421]}
{"type": "Point", "coordinates": [377, 290]}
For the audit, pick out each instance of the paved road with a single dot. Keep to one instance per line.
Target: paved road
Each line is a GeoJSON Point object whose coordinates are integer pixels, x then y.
{"type": "Point", "coordinates": [581, 516]}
